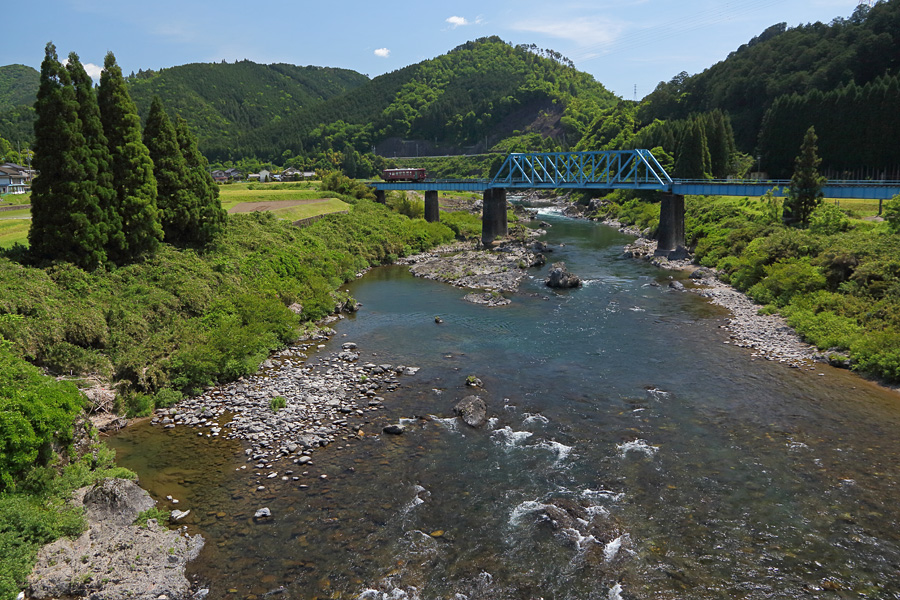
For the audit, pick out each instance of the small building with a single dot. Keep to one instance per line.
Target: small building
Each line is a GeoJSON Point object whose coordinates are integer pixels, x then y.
{"type": "Point", "coordinates": [13, 179]}
{"type": "Point", "coordinates": [265, 176]}
{"type": "Point", "coordinates": [234, 174]}
{"type": "Point", "coordinates": [219, 176]}
{"type": "Point", "coordinates": [293, 174]}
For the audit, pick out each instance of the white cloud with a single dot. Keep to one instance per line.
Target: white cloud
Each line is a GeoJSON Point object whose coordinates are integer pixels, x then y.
{"type": "Point", "coordinates": [584, 31]}
{"type": "Point", "coordinates": [382, 52]}
{"type": "Point", "coordinates": [457, 22]}
{"type": "Point", "coordinates": [93, 70]}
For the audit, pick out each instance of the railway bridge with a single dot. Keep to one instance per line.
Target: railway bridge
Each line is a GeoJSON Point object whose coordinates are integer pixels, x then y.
{"type": "Point", "coordinates": [610, 170]}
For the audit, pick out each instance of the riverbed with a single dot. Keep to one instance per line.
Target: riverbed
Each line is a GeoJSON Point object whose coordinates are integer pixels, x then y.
{"type": "Point", "coordinates": [631, 452]}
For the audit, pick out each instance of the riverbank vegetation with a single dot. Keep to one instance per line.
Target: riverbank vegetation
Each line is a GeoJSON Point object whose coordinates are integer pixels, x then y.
{"type": "Point", "coordinates": [47, 450]}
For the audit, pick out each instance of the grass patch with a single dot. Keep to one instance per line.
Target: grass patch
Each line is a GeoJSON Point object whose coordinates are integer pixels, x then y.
{"type": "Point", "coordinates": [14, 231]}
{"type": "Point", "coordinates": [234, 194]}
{"type": "Point", "coordinates": [305, 211]}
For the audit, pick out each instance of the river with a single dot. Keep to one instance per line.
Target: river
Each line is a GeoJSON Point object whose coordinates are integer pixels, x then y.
{"type": "Point", "coordinates": [632, 453]}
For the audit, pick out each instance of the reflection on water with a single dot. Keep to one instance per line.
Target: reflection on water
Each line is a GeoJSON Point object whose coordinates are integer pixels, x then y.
{"type": "Point", "coordinates": [630, 454]}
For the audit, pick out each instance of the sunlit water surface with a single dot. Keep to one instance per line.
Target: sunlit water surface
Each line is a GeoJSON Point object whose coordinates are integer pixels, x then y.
{"type": "Point", "coordinates": [631, 453]}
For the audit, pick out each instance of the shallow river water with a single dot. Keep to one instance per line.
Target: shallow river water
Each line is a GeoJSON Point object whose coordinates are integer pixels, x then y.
{"type": "Point", "coordinates": [632, 453]}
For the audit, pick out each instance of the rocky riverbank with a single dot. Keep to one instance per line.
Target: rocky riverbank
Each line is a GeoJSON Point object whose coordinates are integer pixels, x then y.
{"type": "Point", "coordinates": [292, 406]}
{"type": "Point", "coordinates": [115, 558]}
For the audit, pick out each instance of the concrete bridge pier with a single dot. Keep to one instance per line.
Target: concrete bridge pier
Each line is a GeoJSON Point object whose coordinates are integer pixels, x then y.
{"type": "Point", "coordinates": [493, 217]}
{"type": "Point", "coordinates": [670, 233]}
{"type": "Point", "coordinates": [432, 209]}
{"type": "Point", "coordinates": [379, 197]}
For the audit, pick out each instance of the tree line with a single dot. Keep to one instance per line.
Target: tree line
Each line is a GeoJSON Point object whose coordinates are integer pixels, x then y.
{"type": "Point", "coordinates": [108, 193]}
{"type": "Point", "coordinates": [857, 125]}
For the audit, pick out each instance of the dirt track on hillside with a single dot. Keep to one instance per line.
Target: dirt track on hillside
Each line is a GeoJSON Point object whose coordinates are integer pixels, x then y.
{"type": "Point", "coordinates": [245, 207]}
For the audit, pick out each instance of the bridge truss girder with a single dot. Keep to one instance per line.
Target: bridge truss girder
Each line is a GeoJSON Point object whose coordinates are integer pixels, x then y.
{"type": "Point", "coordinates": [613, 169]}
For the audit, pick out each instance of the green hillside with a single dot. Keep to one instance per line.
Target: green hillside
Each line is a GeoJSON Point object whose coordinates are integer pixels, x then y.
{"type": "Point", "coordinates": [18, 89]}
{"type": "Point", "coordinates": [18, 86]}
{"type": "Point", "coordinates": [474, 96]}
{"type": "Point", "coordinates": [783, 61]}
{"type": "Point", "coordinates": [223, 101]}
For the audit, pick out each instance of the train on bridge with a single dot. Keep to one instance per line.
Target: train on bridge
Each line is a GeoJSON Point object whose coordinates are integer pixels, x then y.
{"type": "Point", "coordinates": [404, 174]}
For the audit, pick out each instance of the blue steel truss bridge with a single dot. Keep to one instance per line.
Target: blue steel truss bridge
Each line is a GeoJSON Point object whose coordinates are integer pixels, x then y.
{"type": "Point", "coordinates": [612, 170]}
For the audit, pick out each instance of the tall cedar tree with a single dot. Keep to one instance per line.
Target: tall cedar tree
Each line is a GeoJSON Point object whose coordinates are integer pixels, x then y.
{"type": "Point", "coordinates": [202, 185]}
{"type": "Point", "coordinates": [693, 154]}
{"type": "Point", "coordinates": [179, 207]}
{"type": "Point", "coordinates": [806, 184]}
{"type": "Point", "coordinates": [132, 169]}
{"type": "Point", "coordinates": [98, 164]}
{"type": "Point", "coordinates": [67, 219]}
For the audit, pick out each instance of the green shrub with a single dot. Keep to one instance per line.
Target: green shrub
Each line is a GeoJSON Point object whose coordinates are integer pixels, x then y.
{"type": "Point", "coordinates": [785, 279]}
{"type": "Point", "coordinates": [878, 352]}
{"type": "Point", "coordinates": [167, 397]}
{"type": "Point", "coordinates": [151, 513]}
{"type": "Point", "coordinates": [138, 404]}
{"type": "Point", "coordinates": [828, 219]}
{"type": "Point", "coordinates": [404, 204]}
{"type": "Point", "coordinates": [35, 412]}
{"type": "Point", "coordinates": [277, 403]}
{"type": "Point", "coordinates": [891, 213]}
{"type": "Point", "coordinates": [465, 225]}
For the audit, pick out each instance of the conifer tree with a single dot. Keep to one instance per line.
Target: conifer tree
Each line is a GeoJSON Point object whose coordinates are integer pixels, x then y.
{"type": "Point", "coordinates": [211, 217]}
{"type": "Point", "coordinates": [693, 153]}
{"type": "Point", "coordinates": [98, 181]}
{"type": "Point", "coordinates": [67, 220]}
{"type": "Point", "coordinates": [135, 185]}
{"type": "Point", "coordinates": [179, 207]}
{"type": "Point", "coordinates": [806, 184]}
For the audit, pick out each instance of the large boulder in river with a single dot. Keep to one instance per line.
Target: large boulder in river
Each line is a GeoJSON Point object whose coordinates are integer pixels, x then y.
{"type": "Point", "coordinates": [472, 410]}
{"type": "Point", "coordinates": [561, 278]}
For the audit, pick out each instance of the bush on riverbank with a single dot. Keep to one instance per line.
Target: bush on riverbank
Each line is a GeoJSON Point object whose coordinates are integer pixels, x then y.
{"type": "Point", "coordinates": [187, 319]}
{"type": "Point", "coordinates": [837, 283]}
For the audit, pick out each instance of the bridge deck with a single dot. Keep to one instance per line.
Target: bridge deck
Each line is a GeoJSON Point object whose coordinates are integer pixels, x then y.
{"type": "Point", "coordinates": [624, 169]}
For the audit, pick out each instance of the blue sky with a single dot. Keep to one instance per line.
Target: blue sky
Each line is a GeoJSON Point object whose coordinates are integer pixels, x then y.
{"type": "Point", "coordinates": [622, 43]}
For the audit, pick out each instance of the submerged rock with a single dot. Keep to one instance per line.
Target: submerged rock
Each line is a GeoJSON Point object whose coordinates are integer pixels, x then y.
{"type": "Point", "coordinates": [487, 299]}
{"type": "Point", "coordinates": [394, 429]}
{"type": "Point", "coordinates": [472, 410]}
{"type": "Point", "coordinates": [561, 278]}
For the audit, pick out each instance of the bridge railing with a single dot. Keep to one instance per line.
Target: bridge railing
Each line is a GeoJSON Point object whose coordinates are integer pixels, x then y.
{"type": "Point", "coordinates": [632, 169]}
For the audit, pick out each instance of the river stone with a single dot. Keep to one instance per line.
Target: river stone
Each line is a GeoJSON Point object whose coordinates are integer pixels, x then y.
{"type": "Point", "coordinates": [262, 513]}
{"type": "Point", "coordinates": [116, 501]}
{"type": "Point", "coordinates": [393, 429]}
{"type": "Point", "coordinates": [472, 410]}
{"type": "Point", "coordinates": [561, 278]}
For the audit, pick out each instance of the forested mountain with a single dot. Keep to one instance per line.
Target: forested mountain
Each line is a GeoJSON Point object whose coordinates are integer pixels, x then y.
{"type": "Point", "coordinates": [472, 97]}
{"type": "Point", "coordinates": [224, 101]}
{"type": "Point", "coordinates": [783, 61]}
